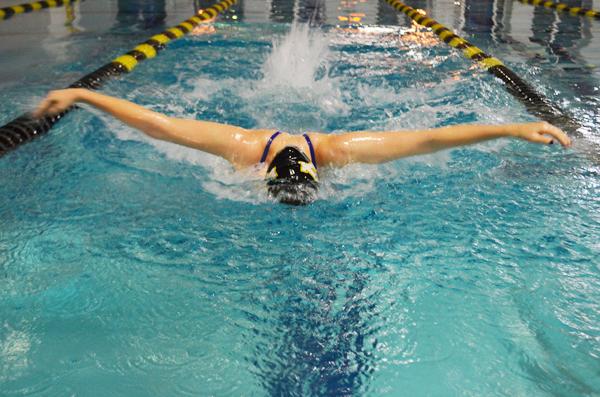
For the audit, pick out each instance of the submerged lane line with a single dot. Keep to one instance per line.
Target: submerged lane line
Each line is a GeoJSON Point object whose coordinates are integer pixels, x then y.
{"type": "Point", "coordinates": [534, 102]}
{"type": "Point", "coordinates": [584, 12]}
{"type": "Point", "coordinates": [25, 128]}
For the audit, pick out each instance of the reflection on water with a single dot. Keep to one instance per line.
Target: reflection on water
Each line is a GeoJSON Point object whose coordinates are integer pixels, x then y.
{"type": "Point", "coordinates": [141, 14]}
{"type": "Point", "coordinates": [312, 12]}
{"type": "Point", "coordinates": [282, 11]}
{"type": "Point", "coordinates": [384, 16]}
{"type": "Point", "coordinates": [483, 18]}
{"type": "Point", "coordinates": [563, 37]}
{"type": "Point", "coordinates": [235, 12]}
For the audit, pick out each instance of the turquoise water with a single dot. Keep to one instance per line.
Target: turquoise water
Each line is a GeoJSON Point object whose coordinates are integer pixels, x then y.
{"type": "Point", "coordinates": [131, 267]}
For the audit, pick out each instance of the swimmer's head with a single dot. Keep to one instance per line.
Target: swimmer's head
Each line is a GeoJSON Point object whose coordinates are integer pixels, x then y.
{"type": "Point", "coordinates": [292, 177]}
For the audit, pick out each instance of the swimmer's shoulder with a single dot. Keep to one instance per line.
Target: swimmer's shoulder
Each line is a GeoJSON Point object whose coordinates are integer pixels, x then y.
{"type": "Point", "coordinates": [323, 144]}
{"type": "Point", "coordinates": [319, 138]}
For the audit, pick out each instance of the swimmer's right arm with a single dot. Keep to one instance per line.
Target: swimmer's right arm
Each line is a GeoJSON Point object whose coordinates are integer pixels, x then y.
{"type": "Point", "coordinates": [233, 143]}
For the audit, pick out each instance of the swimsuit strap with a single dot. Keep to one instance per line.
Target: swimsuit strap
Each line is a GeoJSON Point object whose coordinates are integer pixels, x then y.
{"type": "Point", "coordinates": [312, 149]}
{"type": "Point", "coordinates": [266, 152]}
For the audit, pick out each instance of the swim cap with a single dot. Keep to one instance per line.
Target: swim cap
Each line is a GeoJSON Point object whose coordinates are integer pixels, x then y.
{"type": "Point", "coordinates": [292, 177]}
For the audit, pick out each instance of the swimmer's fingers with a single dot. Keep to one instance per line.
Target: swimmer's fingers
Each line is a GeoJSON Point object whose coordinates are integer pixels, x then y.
{"type": "Point", "coordinates": [557, 133]}
{"type": "Point", "coordinates": [543, 133]}
{"type": "Point", "coordinates": [54, 103]}
{"type": "Point", "coordinates": [44, 108]}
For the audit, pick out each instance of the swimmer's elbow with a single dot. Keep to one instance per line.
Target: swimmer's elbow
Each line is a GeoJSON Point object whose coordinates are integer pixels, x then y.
{"type": "Point", "coordinates": [336, 151]}
{"type": "Point", "coordinates": [423, 142]}
{"type": "Point", "coordinates": [159, 126]}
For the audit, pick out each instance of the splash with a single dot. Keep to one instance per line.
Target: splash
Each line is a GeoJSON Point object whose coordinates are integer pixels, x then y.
{"type": "Point", "coordinates": [297, 59]}
{"type": "Point", "coordinates": [296, 92]}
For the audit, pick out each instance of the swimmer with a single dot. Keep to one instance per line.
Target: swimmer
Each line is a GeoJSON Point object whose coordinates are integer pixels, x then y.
{"type": "Point", "coordinates": [288, 162]}
{"type": "Point", "coordinates": [204, 27]}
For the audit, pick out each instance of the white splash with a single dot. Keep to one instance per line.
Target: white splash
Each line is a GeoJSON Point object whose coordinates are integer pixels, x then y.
{"type": "Point", "coordinates": [296, 59]}
{"type": "Point", "coordinates": [295, 76]}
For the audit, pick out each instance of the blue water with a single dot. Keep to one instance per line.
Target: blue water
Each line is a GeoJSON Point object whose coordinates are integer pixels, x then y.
{"type": "Point", "coordinates": [131, 267]}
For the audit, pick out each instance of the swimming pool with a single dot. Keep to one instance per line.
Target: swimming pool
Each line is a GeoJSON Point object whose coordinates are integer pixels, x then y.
{"type": "Point", "coordinates": [131, 267]}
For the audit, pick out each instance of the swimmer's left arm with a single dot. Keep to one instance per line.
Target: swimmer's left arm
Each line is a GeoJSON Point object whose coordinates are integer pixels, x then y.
{"type": "Point", "coordinates": [379, 147]}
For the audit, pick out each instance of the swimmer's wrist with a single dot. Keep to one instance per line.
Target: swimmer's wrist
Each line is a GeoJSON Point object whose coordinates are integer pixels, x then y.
{"type": "Point", "coordinates": [512, 131]}
{"type": "Point", "coordinates": [80, 94]}
{"type": "Point", "coordinates": [501, 131]}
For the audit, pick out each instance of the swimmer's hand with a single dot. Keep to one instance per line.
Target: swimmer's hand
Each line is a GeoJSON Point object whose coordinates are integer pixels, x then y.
{"type": "Point", "coordinates": [57, 101]}
{"type": "Point", "coordinates": [540, 132]}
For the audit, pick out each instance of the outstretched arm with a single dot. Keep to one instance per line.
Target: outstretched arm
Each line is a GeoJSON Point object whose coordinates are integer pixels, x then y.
{"type": "Point", "coordinates": [239, 146]}
{"type": "Point", "coordinates": [379, 147]}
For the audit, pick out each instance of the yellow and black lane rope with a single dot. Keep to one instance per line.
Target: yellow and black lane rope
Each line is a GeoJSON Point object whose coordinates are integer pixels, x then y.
{"type": "Point", "coordinates": [535, 103]}
{"type": "Point", "coordinates": [148, 49]}
{"type": "Point", "coordinates": [584, 12]}
{"type": "Point", "coordinates": [9, 12]}
{"type": "Point", "coordinates": [25, 128]}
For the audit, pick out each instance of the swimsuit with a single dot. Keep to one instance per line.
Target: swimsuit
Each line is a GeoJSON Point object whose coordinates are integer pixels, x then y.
{"type": "Point", "coordinates": [275, 135]}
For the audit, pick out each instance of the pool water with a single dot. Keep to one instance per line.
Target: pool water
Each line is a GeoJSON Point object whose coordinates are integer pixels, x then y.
{"type": "Point", "coordinates": [134, 267]}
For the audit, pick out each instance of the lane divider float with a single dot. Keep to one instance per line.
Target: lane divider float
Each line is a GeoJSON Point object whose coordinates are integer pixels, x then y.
{"type": "Point", "coordinates": [25, 128]}
{"type": "Point", "coordinates": [534, 102]}
{"type": "Point", "coordinates": [584, 12]}
{"type": "Point", "coordinates": [9, 12]}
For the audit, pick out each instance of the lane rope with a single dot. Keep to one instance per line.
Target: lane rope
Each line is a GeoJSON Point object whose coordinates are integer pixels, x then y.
{"type": "Point", "coordinates": [25, 128]}
{"type": "Point", "coordinates": [584, 12]}
{"type": "Point", "coordinates": [534, 102]}
{"type": "Point", "coordinates": [11, 11]}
